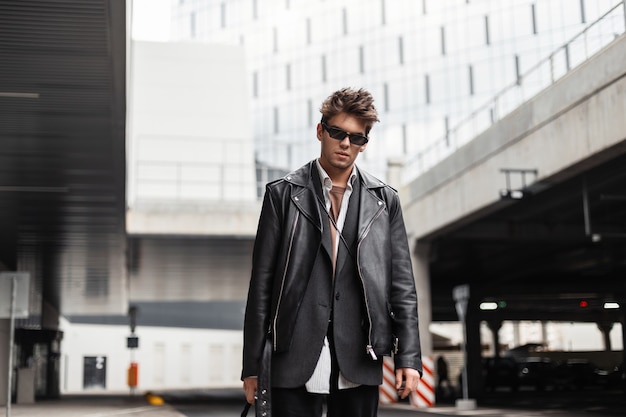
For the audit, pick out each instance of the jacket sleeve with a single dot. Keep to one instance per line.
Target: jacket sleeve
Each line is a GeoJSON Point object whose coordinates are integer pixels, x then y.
{"type": "Point", "coordinates": [403, 296]}
{"type": "Point", "coordinates": [258, 306]}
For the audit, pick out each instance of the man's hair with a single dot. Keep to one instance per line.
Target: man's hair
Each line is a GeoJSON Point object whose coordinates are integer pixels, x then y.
{"type": "Point", "coordinates": [358, 103]}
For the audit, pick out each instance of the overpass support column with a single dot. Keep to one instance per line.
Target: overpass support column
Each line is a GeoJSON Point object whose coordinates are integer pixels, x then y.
{"type": "Point", "coordinates": [605, 327]}
{"type": "Point", "coordinates": [494, 326]}
{"type": "Point", "coordinates": [4, 359]}
{"type": "Point", "coordinates": [622, 303]}
{"type": "Point", "coordinates": [419, 256]}
{"type": "Point", "coordinates": [474, 348]}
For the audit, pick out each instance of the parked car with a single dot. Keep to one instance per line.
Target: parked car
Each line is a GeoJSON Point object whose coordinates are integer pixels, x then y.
{"type": "Point", "coordinates": [536, 372]}
{"type": "Point", "coordinates": [500, 372]}
{"type": "Point", "coordinates": [577, 374]}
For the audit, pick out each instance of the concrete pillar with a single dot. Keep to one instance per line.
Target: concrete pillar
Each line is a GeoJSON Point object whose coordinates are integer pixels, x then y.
{"type": "Point", "coordinates": [394, 172]}
{"type": "Point", "coordinates": [605, 327]}
{"type": "Point", "coordinates": [494, 326]}
{"type": "Point", "coordinates": [419, 256]}
{"type": "Point", "coordinates": [5, 327]}
{"type": "Point", "coordinates": [516, 334]}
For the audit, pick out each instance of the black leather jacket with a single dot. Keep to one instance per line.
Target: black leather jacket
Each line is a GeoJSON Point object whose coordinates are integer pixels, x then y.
{"type": "Point", "coordinates": [288, 236]}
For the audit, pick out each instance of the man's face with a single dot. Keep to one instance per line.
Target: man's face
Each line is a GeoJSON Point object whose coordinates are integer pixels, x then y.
{"type": "Point", "coordinates": [338, 156]}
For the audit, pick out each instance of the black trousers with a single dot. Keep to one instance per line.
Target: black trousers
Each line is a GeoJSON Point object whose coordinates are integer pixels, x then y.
{"type": "Point", "coordinates": [361, 401]}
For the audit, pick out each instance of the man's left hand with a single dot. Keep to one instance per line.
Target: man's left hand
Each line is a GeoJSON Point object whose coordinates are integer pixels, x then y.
{"type": "Point", "coordinates": [406, 381]}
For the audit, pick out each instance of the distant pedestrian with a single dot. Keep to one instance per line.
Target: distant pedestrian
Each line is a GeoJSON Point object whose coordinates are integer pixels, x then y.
{"type": "Point", "coordinates": [442, 376]}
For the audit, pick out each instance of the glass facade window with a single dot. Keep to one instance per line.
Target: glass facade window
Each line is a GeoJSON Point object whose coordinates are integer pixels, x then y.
{"type": "Point", "coordinates": [425, 61]}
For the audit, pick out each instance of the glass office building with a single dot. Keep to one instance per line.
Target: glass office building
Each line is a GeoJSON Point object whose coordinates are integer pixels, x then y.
{"type": "Point", "coordinates": [433, 66]}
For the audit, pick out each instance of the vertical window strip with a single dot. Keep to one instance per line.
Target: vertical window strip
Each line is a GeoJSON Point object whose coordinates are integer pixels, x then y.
{"type": "Point", "coordinates": [308, 30]}
{"type": "Point", "coordinates": [310, 112]}
{"type": "Point", "coordinates": [487, 36]}
{"type": "Point", "coordinates": [192, 24]}
{"type": "Point", "coordinates": [344, 13]}
{"type": "Point", "coordinates": [383, 14]}
{"type": "Point", "coordinates": [404, 141]}
{"type": "Point", "coordinates": [276, 128]}
{"type": "Point", "coordinates": [323, 68]}
{"type": "Point", "coordinates": [255, 84]}
{"type": "Point", "coordinates": [275, 38]}
{"type": "Point", "coordinates": [361, 59]}
{"type": "Point", "coordinates": [443, 40]}
{"type": "Point", "coordinates": [471, 80]}
{"type": "Point", "coordinates": [255, 12]}
{"type": "Point", "coordinates": [223, 15]}
{"type": "Point", "coordinates": [288, 76]}
{"type": "Point", "coordinates": [534, 18]}
{"type": "Point", "coordinates": [424, 7]}
{"type": "Point", "coordinates": [583, 17]}
{"type": "Point", "coordinates": [401, 49]}
{"type": "Point", "coordinates": [427, 88]}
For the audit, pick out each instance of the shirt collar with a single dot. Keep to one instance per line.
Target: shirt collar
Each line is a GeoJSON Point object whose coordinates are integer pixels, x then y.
{"type": "Point", "coordinates": [327, 183]}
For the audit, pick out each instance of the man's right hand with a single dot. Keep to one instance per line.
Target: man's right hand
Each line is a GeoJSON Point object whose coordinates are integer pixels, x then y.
{"type": "Point", "coordinates": [250, 385]}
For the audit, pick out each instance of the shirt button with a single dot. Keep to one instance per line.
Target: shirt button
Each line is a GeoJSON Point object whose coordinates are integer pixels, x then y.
{"type": "Point", "coordinates": [337, 296]}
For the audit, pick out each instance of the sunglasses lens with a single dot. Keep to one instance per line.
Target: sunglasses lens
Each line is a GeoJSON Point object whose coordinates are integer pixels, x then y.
{"type": "Point", "coordinates": [358, 139]}
{"type": "Point", "coordinates": [339, 134]}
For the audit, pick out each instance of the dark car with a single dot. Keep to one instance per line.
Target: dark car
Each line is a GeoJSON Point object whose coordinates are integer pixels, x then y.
{"type": "Point", "coordinates": [576, 374]}
{"type": "Point", "coordinates": [536, 372]}
{"type": "Point", "coordinates": [500, 372]}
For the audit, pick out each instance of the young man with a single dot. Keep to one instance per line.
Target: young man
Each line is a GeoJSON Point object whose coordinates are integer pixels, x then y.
{"type": "Point", "coordinates": [332, 289]}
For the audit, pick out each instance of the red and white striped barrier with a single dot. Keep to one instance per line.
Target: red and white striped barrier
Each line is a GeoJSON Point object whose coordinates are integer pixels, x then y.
{"type": "Point", "coordinates": [387, 390]}
{"type": "Point", "coordinates": [424, 395]}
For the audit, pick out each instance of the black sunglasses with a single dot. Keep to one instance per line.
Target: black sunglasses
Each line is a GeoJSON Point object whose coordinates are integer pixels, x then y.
{"type": "Point", "coordinates": [336, 133]}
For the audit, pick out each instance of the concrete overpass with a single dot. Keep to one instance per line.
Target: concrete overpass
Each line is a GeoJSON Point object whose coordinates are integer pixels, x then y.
{"type": "Point", "coordinates": [542, 243]}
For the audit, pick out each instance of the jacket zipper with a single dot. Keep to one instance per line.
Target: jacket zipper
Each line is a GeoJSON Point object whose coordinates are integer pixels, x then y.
{"type": "Point", "coordinates": [282, 284]}
{"type": "Point", "coordinates": [369, 348]}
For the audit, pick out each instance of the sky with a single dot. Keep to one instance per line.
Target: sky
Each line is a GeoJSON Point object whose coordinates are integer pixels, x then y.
{"type": "Point", "coordinates": [151, 20]}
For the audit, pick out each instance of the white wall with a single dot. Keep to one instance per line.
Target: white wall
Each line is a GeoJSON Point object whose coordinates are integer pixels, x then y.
{"type": "Point", "coordinates": [189, 125]}
{"type": "Point", "coordinates": [168, 358]}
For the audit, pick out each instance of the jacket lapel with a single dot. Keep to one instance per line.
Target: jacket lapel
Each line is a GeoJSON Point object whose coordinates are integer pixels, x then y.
{"type": "Point", "coordinates": [370, 205]}
{"type": "Point", "coordinates": [309, 198]}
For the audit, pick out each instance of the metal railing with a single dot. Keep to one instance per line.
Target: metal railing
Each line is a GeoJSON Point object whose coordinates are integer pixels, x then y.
{"type": "Point", "coordinates": [537, 78]}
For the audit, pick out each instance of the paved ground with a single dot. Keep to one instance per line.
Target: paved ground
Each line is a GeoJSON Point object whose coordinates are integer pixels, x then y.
{"type": "Point", "coordinates": [230, 402]}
